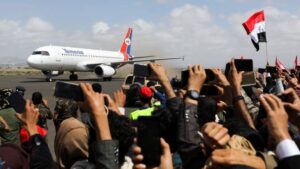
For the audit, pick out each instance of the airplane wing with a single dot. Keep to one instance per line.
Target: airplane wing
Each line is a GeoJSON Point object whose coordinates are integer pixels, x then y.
{"type": "Point", "coordinates": [121, 63]}
{"type": "Point", "coordinates": [144, 60]}
{"type": "Point", "coordinates": [139, 57]}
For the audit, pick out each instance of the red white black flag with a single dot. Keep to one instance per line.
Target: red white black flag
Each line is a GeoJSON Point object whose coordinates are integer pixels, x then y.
{"type": "Point", "coordinates": [296, 63]}
{"type": "Point", "coordinates": [255, 27]}
{"type": "Point", "coordinates": [280, 66]}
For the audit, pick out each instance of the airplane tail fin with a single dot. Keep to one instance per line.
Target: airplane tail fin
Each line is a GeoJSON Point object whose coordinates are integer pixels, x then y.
{"type": "Point", "coordinates": [126, 46]}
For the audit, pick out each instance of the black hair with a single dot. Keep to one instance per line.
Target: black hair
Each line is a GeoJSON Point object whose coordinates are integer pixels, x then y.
{"type": "Point", "coordinates": [207, 109]}
{"type": "Point", "coordinates": [145, 99]}
{"type": "Point", "coordinates": [151, 83]}
{"type": "Point", "coordinates": [37, 98]}
{"type": "Point", "coordinates": [97, 87]}
{"type": "Point", "coordinates": [160, 89]}
{"type": "Point", "coordinates": [132, 95]}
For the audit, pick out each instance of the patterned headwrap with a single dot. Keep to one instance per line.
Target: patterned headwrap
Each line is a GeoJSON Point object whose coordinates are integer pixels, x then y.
{"type": "Point", "coordinates": [4, 94]}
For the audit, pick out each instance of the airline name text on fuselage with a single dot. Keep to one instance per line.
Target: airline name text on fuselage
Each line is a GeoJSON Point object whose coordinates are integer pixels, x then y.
{"type": "Point", "coordinates": [69, 51]}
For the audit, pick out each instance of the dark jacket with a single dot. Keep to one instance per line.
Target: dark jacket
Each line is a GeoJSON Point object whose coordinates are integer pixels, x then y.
{"type": "Point", "coordinates": [173, 105]}
{"type": "Point", "coordinates": [290, 163]}
{"type": "Point", "coordinates": [40, 156]}
{"type": "Point", "coordinates": [170, 136]}
{"type": "Point", "coordinates": [189, 140]}
{"type": "Point", "coordinates": [104, 155]}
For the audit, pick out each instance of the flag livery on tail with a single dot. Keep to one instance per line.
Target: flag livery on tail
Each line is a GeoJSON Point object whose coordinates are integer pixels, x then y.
{"type": "Point", "coordinates": [126, 46]}
{"type": "Point", "coordinates": [255, 27]}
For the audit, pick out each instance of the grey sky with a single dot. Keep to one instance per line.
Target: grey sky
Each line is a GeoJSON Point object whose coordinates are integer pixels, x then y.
{"type": "Point", "coordinates": [205, 31]}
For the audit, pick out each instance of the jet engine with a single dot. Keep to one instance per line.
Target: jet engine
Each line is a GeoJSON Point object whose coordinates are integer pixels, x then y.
{"type": "Point", "coordinates": [104, 71]}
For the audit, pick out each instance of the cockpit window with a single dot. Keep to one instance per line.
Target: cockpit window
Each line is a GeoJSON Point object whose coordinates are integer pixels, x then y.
{"type": "Point", "coordinates": [41, 53]}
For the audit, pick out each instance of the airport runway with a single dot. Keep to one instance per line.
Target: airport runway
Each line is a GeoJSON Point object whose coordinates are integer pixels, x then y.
{"type": "Point", "coordinates": [34, 83]}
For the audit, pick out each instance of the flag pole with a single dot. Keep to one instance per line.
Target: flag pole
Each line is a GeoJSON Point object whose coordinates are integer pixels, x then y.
{"type": "Point", "coordinates": [267, 56]}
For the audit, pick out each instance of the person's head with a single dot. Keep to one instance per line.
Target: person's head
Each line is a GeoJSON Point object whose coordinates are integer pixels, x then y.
{"type": "Point", "coordinates": [207, 109]}
{"type": "Point", "coordinates": [121, 129]}
{"type": "Point", "coordinates": [21, 90]}
{"type": "Point", "coordinates": [145, 94]}
{"type": "Point", "coordinates": [25, 137]}
{"type": "Point", "coordinates": [151, 83]}
{"type": "Point", "coordinates": [4, 94]}
{"type": "Point", "coordinates": [97, 87]}
{"type": "Point", "coordinates": [12, 156]}
{"type": "Point", "coordinates": [37, 98]}
{"type": "Point", "coordinates": [64, 109]}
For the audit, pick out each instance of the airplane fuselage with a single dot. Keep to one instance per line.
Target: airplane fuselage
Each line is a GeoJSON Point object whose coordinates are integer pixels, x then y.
{"type": "Point", "coordinates": [62, 58]}
{"type": "Point", "coordinates": [54, 60]}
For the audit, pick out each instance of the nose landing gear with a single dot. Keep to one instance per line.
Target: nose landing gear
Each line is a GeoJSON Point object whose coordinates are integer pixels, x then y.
{"type": "Point", "coordinates": [73, 76]}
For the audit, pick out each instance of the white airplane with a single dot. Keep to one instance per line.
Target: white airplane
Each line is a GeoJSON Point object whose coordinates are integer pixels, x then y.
{"type": "Point", "coordinates": [54, 60]}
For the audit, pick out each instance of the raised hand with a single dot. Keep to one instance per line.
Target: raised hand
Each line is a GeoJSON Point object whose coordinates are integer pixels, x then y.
{"type": "Point", "coordinates": [112, 105]}
{"type": "Point", "coordinates": [120, 98]}
{"type": "Point", "coordinates": [196, 77]}
{"type": "Point", "coordinates": [29, 118]}
{"type": "Point", "coordinates": [5, 125]}
{"type": "Point", "coordinates": [228, 157]}
{"type": "Point", "coordinates": [235, 77]}
{"type": "Point", "coordinates": [293, 106]}
{"type": "Point", "coordinates": [165, 158]}
{"type": "Point", "coordinates": [215, 135]}
{"type": "Point", "coordinates": [160, 74]}
{"type": "Point", "coordinates": [221, 79]}
{"type": "Point", "coordinates": [277, 118]}
{"type": "Point", "coordinates": [159, 71]}
{"type": "Point", "coordinates": [94, 103]}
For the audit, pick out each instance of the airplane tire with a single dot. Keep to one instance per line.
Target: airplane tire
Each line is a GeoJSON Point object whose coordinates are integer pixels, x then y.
{"type": "Point", "coordinates": [73, 77]}
{"type": "Point", "coordinates": [49, 79]}
{"type": "Point", "coordinates": [107, 78]}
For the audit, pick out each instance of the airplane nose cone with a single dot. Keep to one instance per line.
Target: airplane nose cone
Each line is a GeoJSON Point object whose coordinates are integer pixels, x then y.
{"type": "Point", "coordinates": [30, 61]}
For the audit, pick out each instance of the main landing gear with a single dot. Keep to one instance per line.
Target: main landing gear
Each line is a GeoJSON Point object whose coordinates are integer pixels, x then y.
{"type": "Point", "coordinates": [73, 76]}
{"type": "Point", "coordinates": [49, 79]}
{"type": "Point", "coordinates": [107, 78]}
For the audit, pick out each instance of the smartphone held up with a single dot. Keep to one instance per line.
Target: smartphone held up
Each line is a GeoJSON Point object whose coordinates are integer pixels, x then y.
{"type": "Point", "coordinates": [142, 70]}
{"type": "Point", "coordinates": [149, 140]}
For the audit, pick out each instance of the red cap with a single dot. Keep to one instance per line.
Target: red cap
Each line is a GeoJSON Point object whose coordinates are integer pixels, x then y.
{"type": "Point", "coordinates": [25, 135]}
{"type": "Point", "coordinates": [145, 92]}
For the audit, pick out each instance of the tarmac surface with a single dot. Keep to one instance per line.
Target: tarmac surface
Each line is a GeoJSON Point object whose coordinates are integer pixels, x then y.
{"type": "Point", "coordinates": [34, 83]}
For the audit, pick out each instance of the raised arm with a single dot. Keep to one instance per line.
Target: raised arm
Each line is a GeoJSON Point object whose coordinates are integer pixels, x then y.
{"type": "Point", "coordinates": [103, 150]}
{"type": "Point", "coordinates": [235, 79]}
{"type": "Point", "coordinates": [161, 74]}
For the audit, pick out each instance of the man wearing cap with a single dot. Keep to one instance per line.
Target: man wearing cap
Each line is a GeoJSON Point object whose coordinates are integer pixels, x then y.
{"type": "Point", "coordinates": [146, 109]}
{"type": "Point", "coordinates": [21, 90]}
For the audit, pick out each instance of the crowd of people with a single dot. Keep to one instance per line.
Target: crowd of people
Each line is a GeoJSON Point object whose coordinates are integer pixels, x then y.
{"type": "Point", "coordinates": [240, 127]}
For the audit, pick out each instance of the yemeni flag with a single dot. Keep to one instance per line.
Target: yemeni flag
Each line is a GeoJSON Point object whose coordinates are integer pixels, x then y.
{"type": "Point", "coordinates": [255, 27]}
{"type": "Point", "coordinates": [296, 63]}
{"type": "Point", "coordinates": [280, 66]}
